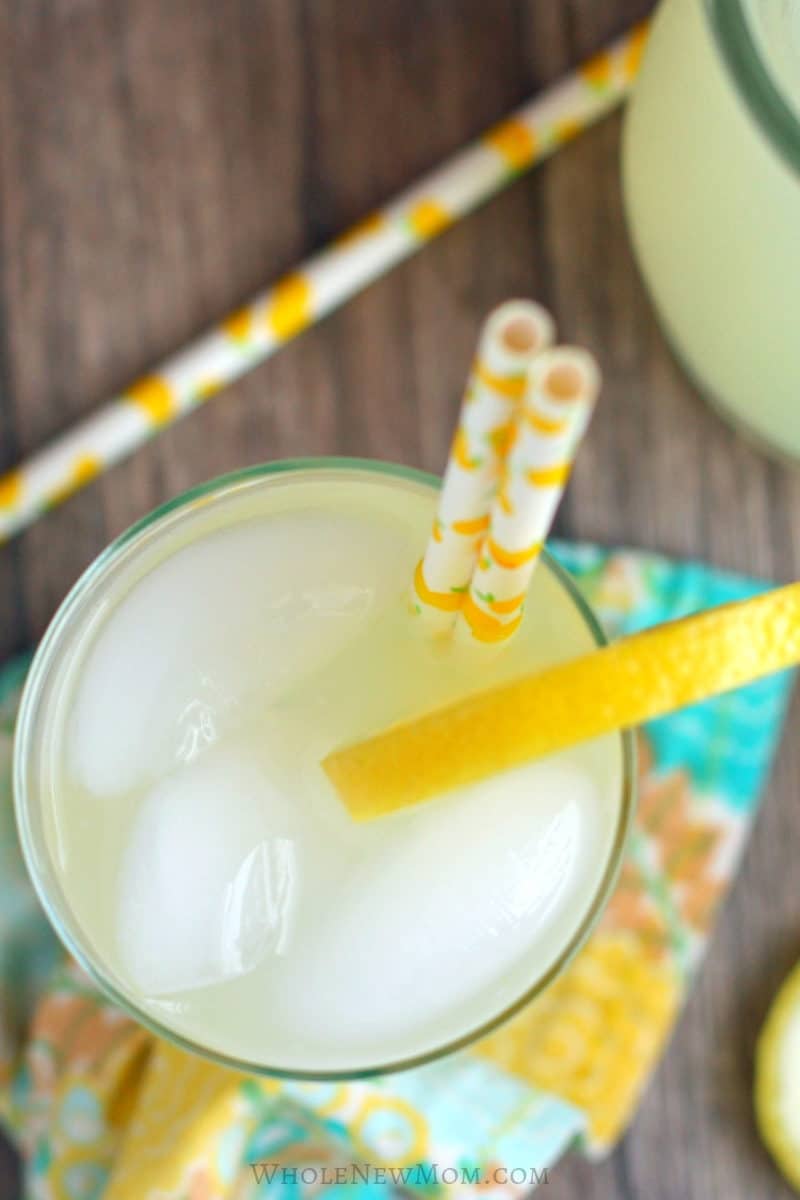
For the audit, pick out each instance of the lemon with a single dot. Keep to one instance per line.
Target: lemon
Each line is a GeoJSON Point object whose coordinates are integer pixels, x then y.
{"type": "Point", "coordinates": [633, 680]}
{"type": "Point", "coordinates": [777, 1090]}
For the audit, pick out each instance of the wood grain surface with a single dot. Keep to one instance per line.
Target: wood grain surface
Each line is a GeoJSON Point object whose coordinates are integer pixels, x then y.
{"type": "Point", "coordinates": [159, 162]}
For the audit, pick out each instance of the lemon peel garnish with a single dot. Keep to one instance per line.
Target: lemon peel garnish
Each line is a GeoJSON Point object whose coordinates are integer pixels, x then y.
{"type": "Point", "coordinates": [618, 687]}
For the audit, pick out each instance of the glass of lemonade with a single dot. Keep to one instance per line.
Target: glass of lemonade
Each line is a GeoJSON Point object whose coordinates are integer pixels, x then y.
{"type": "Point", "coordinates": [182, 835]}
{"type": "Point", "coordinates": [711, 175]}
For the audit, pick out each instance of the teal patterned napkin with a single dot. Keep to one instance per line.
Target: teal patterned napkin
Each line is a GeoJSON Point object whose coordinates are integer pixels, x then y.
{"type": "Point", "coordinates": [79, 1083]}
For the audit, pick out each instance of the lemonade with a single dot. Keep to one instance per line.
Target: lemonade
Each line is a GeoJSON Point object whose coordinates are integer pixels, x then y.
{"type": "Point", "coordinates": [711, 173]}
{"type": "Point", "coordinates": [183, 835]}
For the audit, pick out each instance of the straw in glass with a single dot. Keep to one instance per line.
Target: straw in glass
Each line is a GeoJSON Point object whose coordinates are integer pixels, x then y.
{"type": "Point", "coordinates": [561, 390]}
{"type": "Point", "coordinates": [511, 338]}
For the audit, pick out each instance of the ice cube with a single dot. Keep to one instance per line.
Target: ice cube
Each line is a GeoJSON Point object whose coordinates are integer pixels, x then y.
{"type": "Point", "coordinates": [456, 895]}
{"type": "Point", "coordinates": [210, 875]}
{"type": "Point", "coordinates": [226, 622]}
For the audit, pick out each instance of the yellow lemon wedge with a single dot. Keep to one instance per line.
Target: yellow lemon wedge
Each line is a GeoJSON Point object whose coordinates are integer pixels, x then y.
{"type": "Point", "coordinates": [617, 687]}
{"type": "Point", "coordinates": [777, 1091]}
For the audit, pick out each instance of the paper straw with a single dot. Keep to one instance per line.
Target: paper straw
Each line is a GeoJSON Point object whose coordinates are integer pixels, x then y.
{"type": "Point", "coordinates": [510, 339]}
{"type": "Point", "coordinates": [562, 388]}
{"type": "Point", "coordinates": [323, 282]}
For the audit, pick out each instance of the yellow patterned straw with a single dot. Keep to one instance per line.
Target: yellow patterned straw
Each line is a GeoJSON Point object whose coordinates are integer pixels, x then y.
{"type": "Point", "coordinates": [562, 387]}
{"type": "Point", "coordinates": [511, 338]}
{"type": "Point", "coordinates": [325, 281]}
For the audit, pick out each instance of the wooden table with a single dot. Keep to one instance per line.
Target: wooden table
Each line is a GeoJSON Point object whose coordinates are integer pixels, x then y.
{"type": "Point", "coordinates": [158, 162]}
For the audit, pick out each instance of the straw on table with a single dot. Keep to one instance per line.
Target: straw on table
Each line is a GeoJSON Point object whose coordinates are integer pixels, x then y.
{"type": "Point", "coordinates": [511, 338]}
{"type": "Point", "coordinates": [323, 282]}
{"type": "Point", "coordinates": [562, 388]}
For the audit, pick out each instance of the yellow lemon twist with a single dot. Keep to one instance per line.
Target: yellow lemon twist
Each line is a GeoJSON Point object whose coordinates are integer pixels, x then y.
{"type": "Point", "coordinates": [617, 687]}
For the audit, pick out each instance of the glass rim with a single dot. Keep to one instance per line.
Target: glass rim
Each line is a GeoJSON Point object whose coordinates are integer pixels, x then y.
{"type": "Point", "coordinates": [77, 943]}
{"type": "Point", "coordinates": [745, 64]}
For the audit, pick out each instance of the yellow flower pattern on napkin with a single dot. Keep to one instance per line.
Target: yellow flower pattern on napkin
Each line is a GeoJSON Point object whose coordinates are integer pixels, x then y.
{"type": "Point", "coordinates": [596, 1033]}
